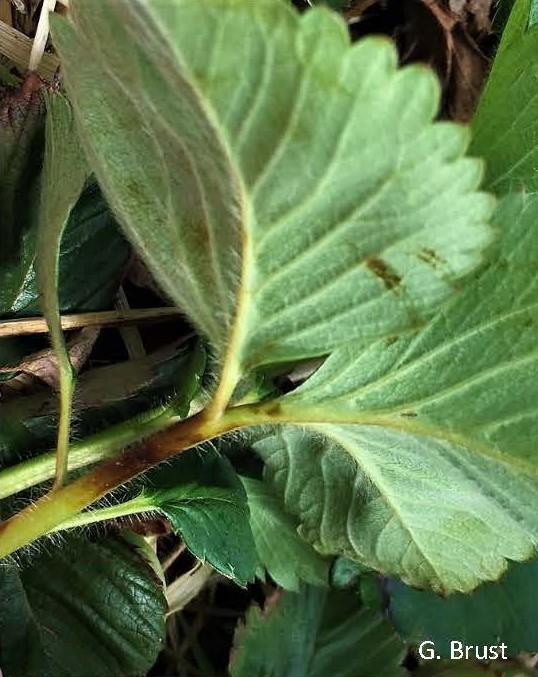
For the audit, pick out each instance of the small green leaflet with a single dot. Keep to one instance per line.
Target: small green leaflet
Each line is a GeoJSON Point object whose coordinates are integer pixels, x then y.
{"type": "Point", "coordinates": [316, 633]}
{"type": "Point", "coordinates": [206, 504]}
{"type": "Point", "coordinates": [293, 152]}
{"type": "Point", "coordinates": [503, 611]}
{"type": "Point", "coordinates": [287, 557]}
{"type": "Point", "coordinates": [89, 608]}
{"type": "Point", "coordinates": [417, 459]}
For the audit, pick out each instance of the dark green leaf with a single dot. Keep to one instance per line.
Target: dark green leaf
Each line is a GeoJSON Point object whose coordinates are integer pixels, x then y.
{"type": "Point", "coordinates": [504, 611]}
{"type": "Point", "coordinates": [88, 609]}
{"type": "Point", "coordinates": [204, 499]}
{"type": "Point", "coordinates": [21, 147]}
{"type": "Point", "coordinates": [93, 256]}
{"type": "Point", "coordinates": [314, 634]}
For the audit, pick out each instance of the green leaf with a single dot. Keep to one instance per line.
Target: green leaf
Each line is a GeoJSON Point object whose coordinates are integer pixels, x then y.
{"type": "Point", "coordinates": [21, 147]}
{"type": "Point", "coordinates": [494, 613]}
{"type": "Point", "coordinates": [89, 609]}
{"type": "Point", "coordinates": [64, 175]}
{"type": "Point", "coordinates": [314, 634]}
{"type": "Point", "coordinates": [205, 502]}
{"type": "Point", "coordinates": [288, 558]}
{"type": "Point", "coordinates": [222, 209]}
{"type": "Point", "coordinates": [505, 125]}
{"type": "Point", "coordinates": [416, 459]}
{"type": "Point", "coordinates": [93, 255]}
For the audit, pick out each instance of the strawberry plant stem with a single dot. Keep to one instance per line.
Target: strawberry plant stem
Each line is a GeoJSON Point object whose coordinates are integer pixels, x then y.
{"type": "Point", "coordinates": [96, 448]}
{"type": "Point", "coordinates": [65, 502]}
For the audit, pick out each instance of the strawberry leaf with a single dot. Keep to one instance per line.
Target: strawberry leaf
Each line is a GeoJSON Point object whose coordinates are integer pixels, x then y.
{"type": "Point", "coordinates": [221, 207]}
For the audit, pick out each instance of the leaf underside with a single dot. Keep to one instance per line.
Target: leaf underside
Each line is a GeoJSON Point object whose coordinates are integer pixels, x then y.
{"type": "Point", "coordinates": [417, 458]}
{"type": "Point", "coordinates": [294, 193]}
{"type": "Point", "coordinates": [296, 200]}
{"type": "Point", "coordinates": [294, 560]}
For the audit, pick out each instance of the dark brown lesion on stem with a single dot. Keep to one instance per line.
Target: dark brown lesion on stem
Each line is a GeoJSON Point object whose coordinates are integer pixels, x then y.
{"type": "Point", "coordinates": [160, 447]}
{"type": "Point", "coordinates": [62, 503]}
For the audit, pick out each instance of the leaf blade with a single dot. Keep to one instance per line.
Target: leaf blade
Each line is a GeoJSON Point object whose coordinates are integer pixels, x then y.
{"type": "Point", "coordinates": [294, 560]}
{"type": "Point", "coordinates": [371, 279]}
{"type": "Point", "coordinates": [206, 504]}
{"type": "Point", "coordinates": [495, 612]}
{"type": "Point", "coordinates": [315, 633]}
{"type": "Point", "coordinates": [422, 436]}
{"type": "Point", "coordinates": [56, 632]}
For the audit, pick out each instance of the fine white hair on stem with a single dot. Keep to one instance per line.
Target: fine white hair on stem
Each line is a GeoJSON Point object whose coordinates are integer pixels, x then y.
{"type": "Point", "coordinates": [42, 34]}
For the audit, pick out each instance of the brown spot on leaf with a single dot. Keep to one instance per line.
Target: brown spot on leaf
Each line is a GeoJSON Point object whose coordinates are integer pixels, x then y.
{"type": "Point", "coordinates": [430, 257]}
{"type": "Point", "coordinates": [384, 272]}
{"type": "Point", "coordinates": [409, 414]}
{"type": "Point", "coordinates": [391, 340]}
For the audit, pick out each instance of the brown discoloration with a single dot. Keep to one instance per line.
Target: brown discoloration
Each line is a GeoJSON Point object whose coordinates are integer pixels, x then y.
{"type": "Point", "coordinates": [23, 106]}
{"type": "Point", "coordinates": [62, 503]}
{"type": "Point", "coordinates": [391, 340]}
{"type": "Point", "coordinates": [272, 409]}
{"type": "Point", "coordinates": [384, 272]}
{"type": "Point", "coordinates": [409, 414]}
{"type": "Point", "coordinates": [430, 257]}
{"type": "Point", "coordinates": [138, 458]}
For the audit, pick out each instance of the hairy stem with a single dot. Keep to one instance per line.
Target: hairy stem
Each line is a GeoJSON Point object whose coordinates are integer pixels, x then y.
{"type": "Point", "coordinates": [65, 502]}
{"type": "Point", "coordinates": [136, 506]}
{"type": "Point", "coordinates": [67, 387]}
{"type": "Point", "coordinates": [97, 448]}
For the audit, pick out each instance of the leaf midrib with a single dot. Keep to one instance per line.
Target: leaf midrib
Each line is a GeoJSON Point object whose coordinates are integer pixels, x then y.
{"type": "Point", "coordinates": [393, 420]}
{"type": "Point", "coordinates": [231, 369]}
